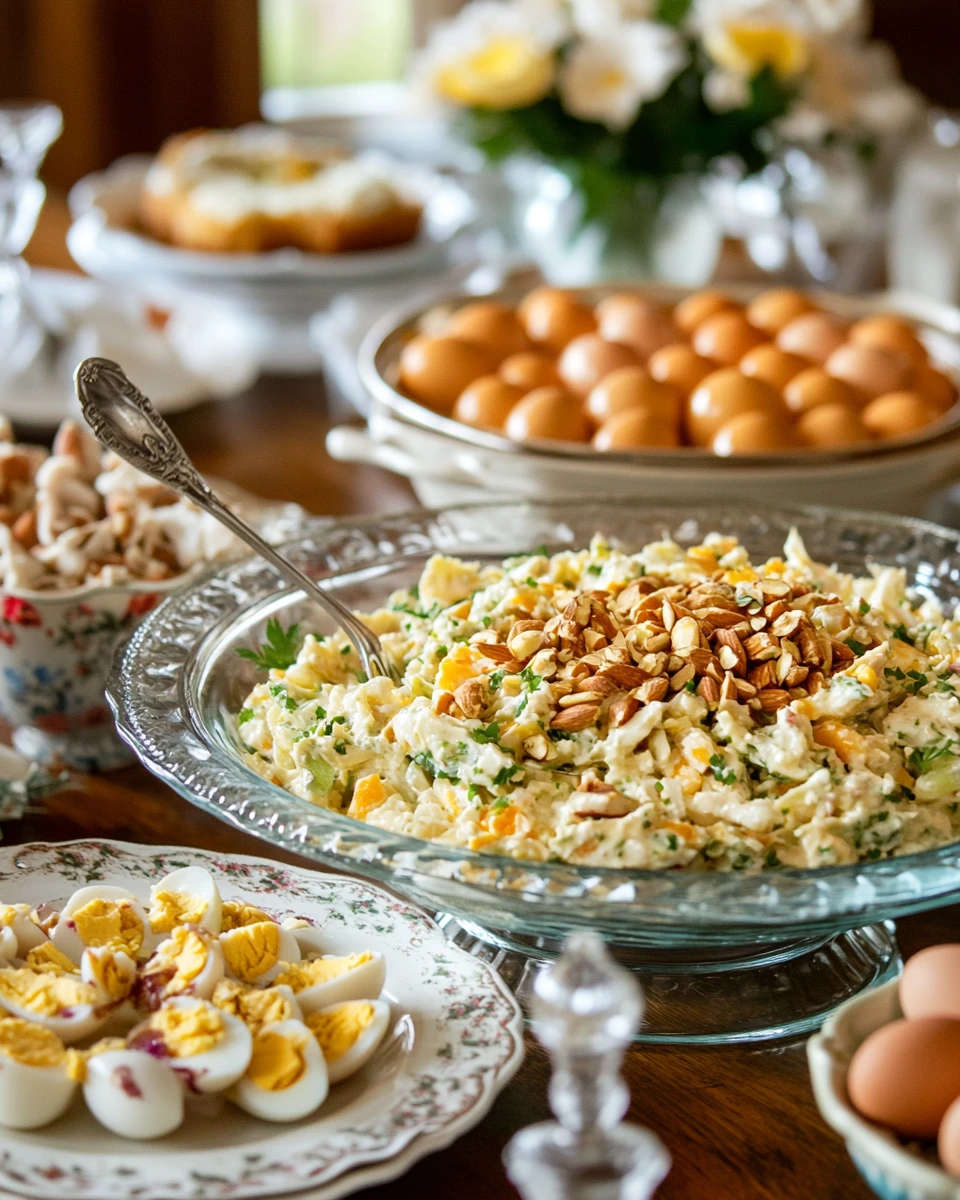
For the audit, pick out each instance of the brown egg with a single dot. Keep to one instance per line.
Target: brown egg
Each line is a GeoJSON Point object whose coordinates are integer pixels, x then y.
{"type": "Point", "coordinates": [634, 429]}
{"type": "Point", "coordinates": [948, 1140]}
{"type": "Point", "coordinates": [771, 310]}
{"type": "Point", "coordinates": [814, 387]}
{"type": "Point", "coordinates": [906, 1074]}
{"type": "Point", "coordinates": [486, 403]}
{"type": "Point", "coordinates": [724, 395]}
{"type": "Point", "coordinates": [830, 425]}
{"type": "Point", "coordinates": [635, 322]}
{"type": "Point", "coordinates": [892, 334]}
{"type": "Point", "coordinates": [772, 365]}
{"type": "Point", "coordinates": [754, 433]}
{"type": "Point", "coordinates": [589, 358]}
{"type": "Point", "coordinates": [938, 388]}
{"type": "Point", "coordinates": [680, 366]}
{"type": "Point", "coordinates": [435, 370]}
{"type": "Point", "coordinates": [529, 370]}
{"type": "Point", "coordinates": [549, 412]}
{"type": "Point", "coordinates": [697, 307]}
{"type": "Point", "coordinates": [815, 335]}
{"type": "Point", "coordinates": [930, 983]}
{"type": "Point", "coordinates": [726, 337]}
{"type": "Point", "coordinates": [552, 318]}
{"type": "Point", "coordinates": [899, 414]}
{"type": "Point", "coordinates": [871, 371]}
{"type": "Point", "coordinates": [633, 387]}
{"type": "Point", "coordinates": [491, 325]}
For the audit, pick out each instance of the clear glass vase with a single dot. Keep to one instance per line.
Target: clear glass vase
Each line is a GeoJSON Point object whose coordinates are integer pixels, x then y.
{"type": "Point", "coordinates": [664, 230]}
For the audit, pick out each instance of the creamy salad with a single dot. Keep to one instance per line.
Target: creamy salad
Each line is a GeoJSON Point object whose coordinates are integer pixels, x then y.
{"type": "Point", "coordinates": [674, 707]}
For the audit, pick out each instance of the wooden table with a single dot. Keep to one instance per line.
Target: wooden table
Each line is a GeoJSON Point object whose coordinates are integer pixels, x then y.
{"type": "Point", "coordinates": [739, 1121]}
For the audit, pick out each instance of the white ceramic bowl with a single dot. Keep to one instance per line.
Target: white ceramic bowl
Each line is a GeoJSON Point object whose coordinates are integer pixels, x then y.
{"type": "Point", "coordinates": [449, 462]}
{"type": "Point", "coordinates": [893, 1172]}
{"type": "Point", "coordinates": [280, 288]}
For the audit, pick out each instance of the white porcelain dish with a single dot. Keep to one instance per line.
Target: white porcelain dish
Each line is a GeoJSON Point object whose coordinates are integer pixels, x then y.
{"type": "Point", "coordinates": [893, 1172]}
{"type": "Point", "coordinates": [456, 1041]}
{"type": "Point", "coordinates": [449, 462]}
{"type": "Point", "coordinates": [280, 288]}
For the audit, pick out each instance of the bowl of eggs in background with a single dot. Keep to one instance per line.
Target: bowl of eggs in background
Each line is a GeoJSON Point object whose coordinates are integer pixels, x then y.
{"type": "Point", "coordinates": [656, 393]}
{"type": "Point", "coordinates": [885, 1070]}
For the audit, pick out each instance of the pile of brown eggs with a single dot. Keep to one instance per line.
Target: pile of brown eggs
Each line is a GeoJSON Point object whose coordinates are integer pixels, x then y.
{"type": "Point", "coordinates": [630, 374]}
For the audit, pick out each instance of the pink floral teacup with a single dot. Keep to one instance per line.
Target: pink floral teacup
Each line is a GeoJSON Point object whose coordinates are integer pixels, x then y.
{"type": "Point", "coordinates": [56, 649]}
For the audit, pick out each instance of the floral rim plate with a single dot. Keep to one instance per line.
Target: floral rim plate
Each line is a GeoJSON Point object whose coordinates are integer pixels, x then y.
{"type": "Point", "coordinates": [457, 1040]}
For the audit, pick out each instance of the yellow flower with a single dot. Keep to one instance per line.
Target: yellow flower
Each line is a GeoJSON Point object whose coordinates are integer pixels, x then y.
{"type": "Point", "coordinates": [507, 72]}
{"type": "Point", "coordinates": [745, 48]}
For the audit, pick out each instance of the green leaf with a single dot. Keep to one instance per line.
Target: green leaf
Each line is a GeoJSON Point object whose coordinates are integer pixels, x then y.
{"type": "Point", "coordinates": [900, 633]}
{"type": "Point", "coordinates": [922, 760]}
{"type": "Point", "coordinates": [323, 775]}
{"type": "Point", "coordinates": [280, 649]}
{"type": "Point", "coordinates": [244, 715]}
{"type": "Point", "coordinates": [857, 647]}
{"type": "Point", "coordinates": [496, 678]}
{"type": "Point", "coordinates": [505, 774]}
{"type": "Point", "coordinates": [488, 733]}
{"type": "Point", "coordinates": [671, 12]}
{"type": "Point", "coordinates": [530, 678]}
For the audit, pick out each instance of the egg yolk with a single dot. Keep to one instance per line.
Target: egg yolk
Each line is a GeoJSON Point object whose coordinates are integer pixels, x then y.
{"type": "Point", "coordinates": [170, 909]}
{"type": "Point", "coordinates": [256, 1007]}
{"type": "Point", "coordinates": [187, 1032]}
{"type": "Point", "coordinates": [338, 1029]}
{"type": "Point", "coordinates": [277, 1062]}
{"type": "Point", "coordinates": [42, 992]}
{"type": "Point", "coordinates": [10, 912]}
{"type": "Point", "coordinates": [185, 951]}
{"type": "Point", "coordinates": [30, 1044]}
{"type": "Point", "coordinates": [48, 958]}
{"type": "Point", "coordinates": [252, 950]}
{"type": "Point", "coordinates": [320, 970]}
{"type": "Point", "coordinates": [114, 978]}
{"type": "Point", "coordinates": [109, 923]}
{"type": "Point", "coordinates": [236, 914]}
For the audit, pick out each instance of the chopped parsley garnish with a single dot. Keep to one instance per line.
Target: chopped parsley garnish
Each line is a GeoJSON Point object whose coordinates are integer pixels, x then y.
{"type": "Point", "coordinates": [900, 633]}
{"type": "Point", "coordinates": [278, 651]}
{"type": "Point", "coordinates": [594, 569]}
{"type": "Point", "coordinates": [362, 676]}
{"type": "Point", "coordinates": [290, 704]}
{"type": "Point", "coordinates": [691, 685]}
{"type": "Point", "coordinates": [772, 860]}
{"type": "Point", "coordinates": [922, 760]}
{"type": "Point", "coordinates": [672, 841]}
{"type": "Point", "coordinates": [487, 733]}
{"type": "Point", "coordinates": [421, 613]}
{"type": "Point", "coordinates": [530, 678]}
{"type": "Point", "coordinates": [864, 607]}
{"type": "Point", "coordinates": [530, 581]}
{"type": "Point", "coordinates": [857, 647]}
{"type": "Point", "coordinates": [659, 786]}
{"type": "Point", "coordinates": [558, 735]}
{"type": "Point", "coordinates": [524, 701]}
{"type": "Point", "coordinates": [505, 774]}
{"type": "Point", "coordinates": [473, 793]}
{"type": "Point", "coordinates": [720, 771]}
{"type": "Point", "coordinates": [340, 746]}
{"type": "Point", "coordinates": [496, 678]}
{"type": "Point", "coordinates": [500, 804]}
{"type": "Point", "coordinates": [346, 649]}
{"type": "Point", "coordinates": [917, 680]}
{"type": "Point", "coordinates": [277, 689]}
{"type": "Point", "coordinates": [426, 760]}
{"type": "Point", "coordinates": [244, 715]}
{"type": "Point", "coordinates": [486, 622]}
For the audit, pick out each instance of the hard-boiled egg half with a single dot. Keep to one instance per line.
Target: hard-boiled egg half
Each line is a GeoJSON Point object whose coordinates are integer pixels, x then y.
{"type": "Point", "coordinates": [102, 916]}
{"type": "Point", "coordinates": [349, 1033]}
{"type": "Point", "coordinates": [112, 972]}
{"type": "Point", "coordinates": [287, 1075]}
{"type": "Point", "coordinates": [38, 1076]}
{"type": "Point", "coordinates": [234, 914]}
{"type": "Point", "coordinates": [321, 982]}
{"type": "Point", "coordinates": [133, 1094]}
{"type": "Point", "coordinates": [24, 923]}
{"type": "Point", "coordinates": [208, 1048]}
{"type": "Point", "coordinates": [187, 963]}
{"type": "Point", "coordinates": [185, 897]}
{"type": "Point", "coordinates": [257, 953]}
{"type": "Point", "coordinates": [256, 1007]}
{"type": "Point", "coordinates": [55, 1000]}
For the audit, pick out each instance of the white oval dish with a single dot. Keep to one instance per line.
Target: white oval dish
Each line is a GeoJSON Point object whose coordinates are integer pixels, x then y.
{"type": "Point", "coordinates": [893, 1172]}
{"type": "Point", "coordinates": [456, 1040]}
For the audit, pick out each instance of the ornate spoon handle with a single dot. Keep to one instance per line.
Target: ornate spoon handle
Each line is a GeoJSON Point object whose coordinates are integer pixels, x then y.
{"type": "Point", "coordinates": [125, 422]}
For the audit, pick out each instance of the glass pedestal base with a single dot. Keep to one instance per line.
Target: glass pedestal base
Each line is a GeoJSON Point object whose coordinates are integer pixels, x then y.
{"type": "Point", "coordinates": [711, 996]}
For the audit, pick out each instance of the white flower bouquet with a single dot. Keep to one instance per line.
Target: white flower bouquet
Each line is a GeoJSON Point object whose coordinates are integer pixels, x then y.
{"type": "Point", "coordinates": [636, 94]}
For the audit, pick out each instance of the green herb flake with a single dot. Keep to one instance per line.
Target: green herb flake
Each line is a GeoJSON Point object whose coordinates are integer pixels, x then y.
{"type": "Point", "coordinates": [487, 733]}
{"type": "Point", "coordinates": [279, 651]}
{"type": "Point", "coordinates": [244, 715]}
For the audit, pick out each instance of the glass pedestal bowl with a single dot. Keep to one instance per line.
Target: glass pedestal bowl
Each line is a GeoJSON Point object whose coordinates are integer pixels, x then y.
{"type": "Point", "coordinates": [722, 956]}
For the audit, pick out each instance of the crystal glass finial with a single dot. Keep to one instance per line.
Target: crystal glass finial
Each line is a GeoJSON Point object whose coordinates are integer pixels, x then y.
{"type": "Point", "coordinates": [585, 1012]}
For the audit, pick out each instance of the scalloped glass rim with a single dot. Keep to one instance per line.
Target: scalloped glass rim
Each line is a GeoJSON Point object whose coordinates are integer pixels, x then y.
{"type": "Point", "coordinates": [164, 694]}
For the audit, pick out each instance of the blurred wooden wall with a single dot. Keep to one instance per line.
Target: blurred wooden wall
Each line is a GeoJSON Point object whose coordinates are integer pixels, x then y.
{"type": "Point", "coordinates": [129, 72]}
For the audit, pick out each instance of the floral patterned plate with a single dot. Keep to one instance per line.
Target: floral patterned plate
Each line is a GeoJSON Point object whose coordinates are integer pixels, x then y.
{"type": "Point", "coordinates": [457, 1040]}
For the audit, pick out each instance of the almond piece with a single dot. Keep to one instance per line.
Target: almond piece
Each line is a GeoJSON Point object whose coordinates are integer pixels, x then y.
{"type": "Point", "coordinates": [685, 635]}
{"type": "Point", "coordinates": [579, 716]}
{"type": "Point", "coordinates": [537, 747]}
{"type": "Point", "coordinates": [682, 677]}
{"type": "Point", "coordinates": [653, 689]}
{"type": "Point", "coordinates": [815, 681]}
{"type": "Point", "coordinates": [842, 654]}
{"type": "Point", "coordinates": [774, 589]}
{"type": "Point", "coordinates": [622, 710]}
{"type": "Point", "coordinates": [442, 702]}
{"type": "Point", "coordinates": [728, 689]}
{"type": "Point", "coordinates": [471, 696]}
{"type": "Point", "coordinates": [580, 698]}
{"type": "Point", "coordinates": [775, 609]}
{"type": "Point", "coordinates": [624, 675]}
{"type": "Point", "coordinates": [706, 663]}
{"type": "Point", "coordinates": [608, 803]}
{"type": "Point", "coordinates": [729, 645]}
{"type": "Point", "coordinates": [669, 616]}
{"type": "Point", "coordinates": [601, 684]}
{"type": "Point", "coordinates": [525, 645]}
{"type": "Point", "coordinates": [708, 690]}
{"type": "Point", "coordinates": [745, 689]}
{"type": "Point", "coordinates": [718, 618]}
{"type": "Point", "coordinates": [763, 674]}
{"type": "Point", "coordinates": [495, 651]}
{"type": "Point", "coordinates": [656, 643]}
{"type": "Point", "coordinates": [24, 529]}
{"type": "Point", "coordinates": [787, 624]}
{"type": "Point", "coordinates": [594, 640]}
{"type": "Point", "coordinates": [761, 647]}
{"type": "Point", "coordinates": [628, 597]}
{"type": "Point", "coordinates": [796, 676]}
{"type": "Point", "coordinates": [773, 699]}
{"type": "Point", "coordinates": [809, 645]}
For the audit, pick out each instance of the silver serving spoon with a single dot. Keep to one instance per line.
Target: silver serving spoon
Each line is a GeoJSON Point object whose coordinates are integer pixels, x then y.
{"type": "Point", "coordinates": [125, 422]}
